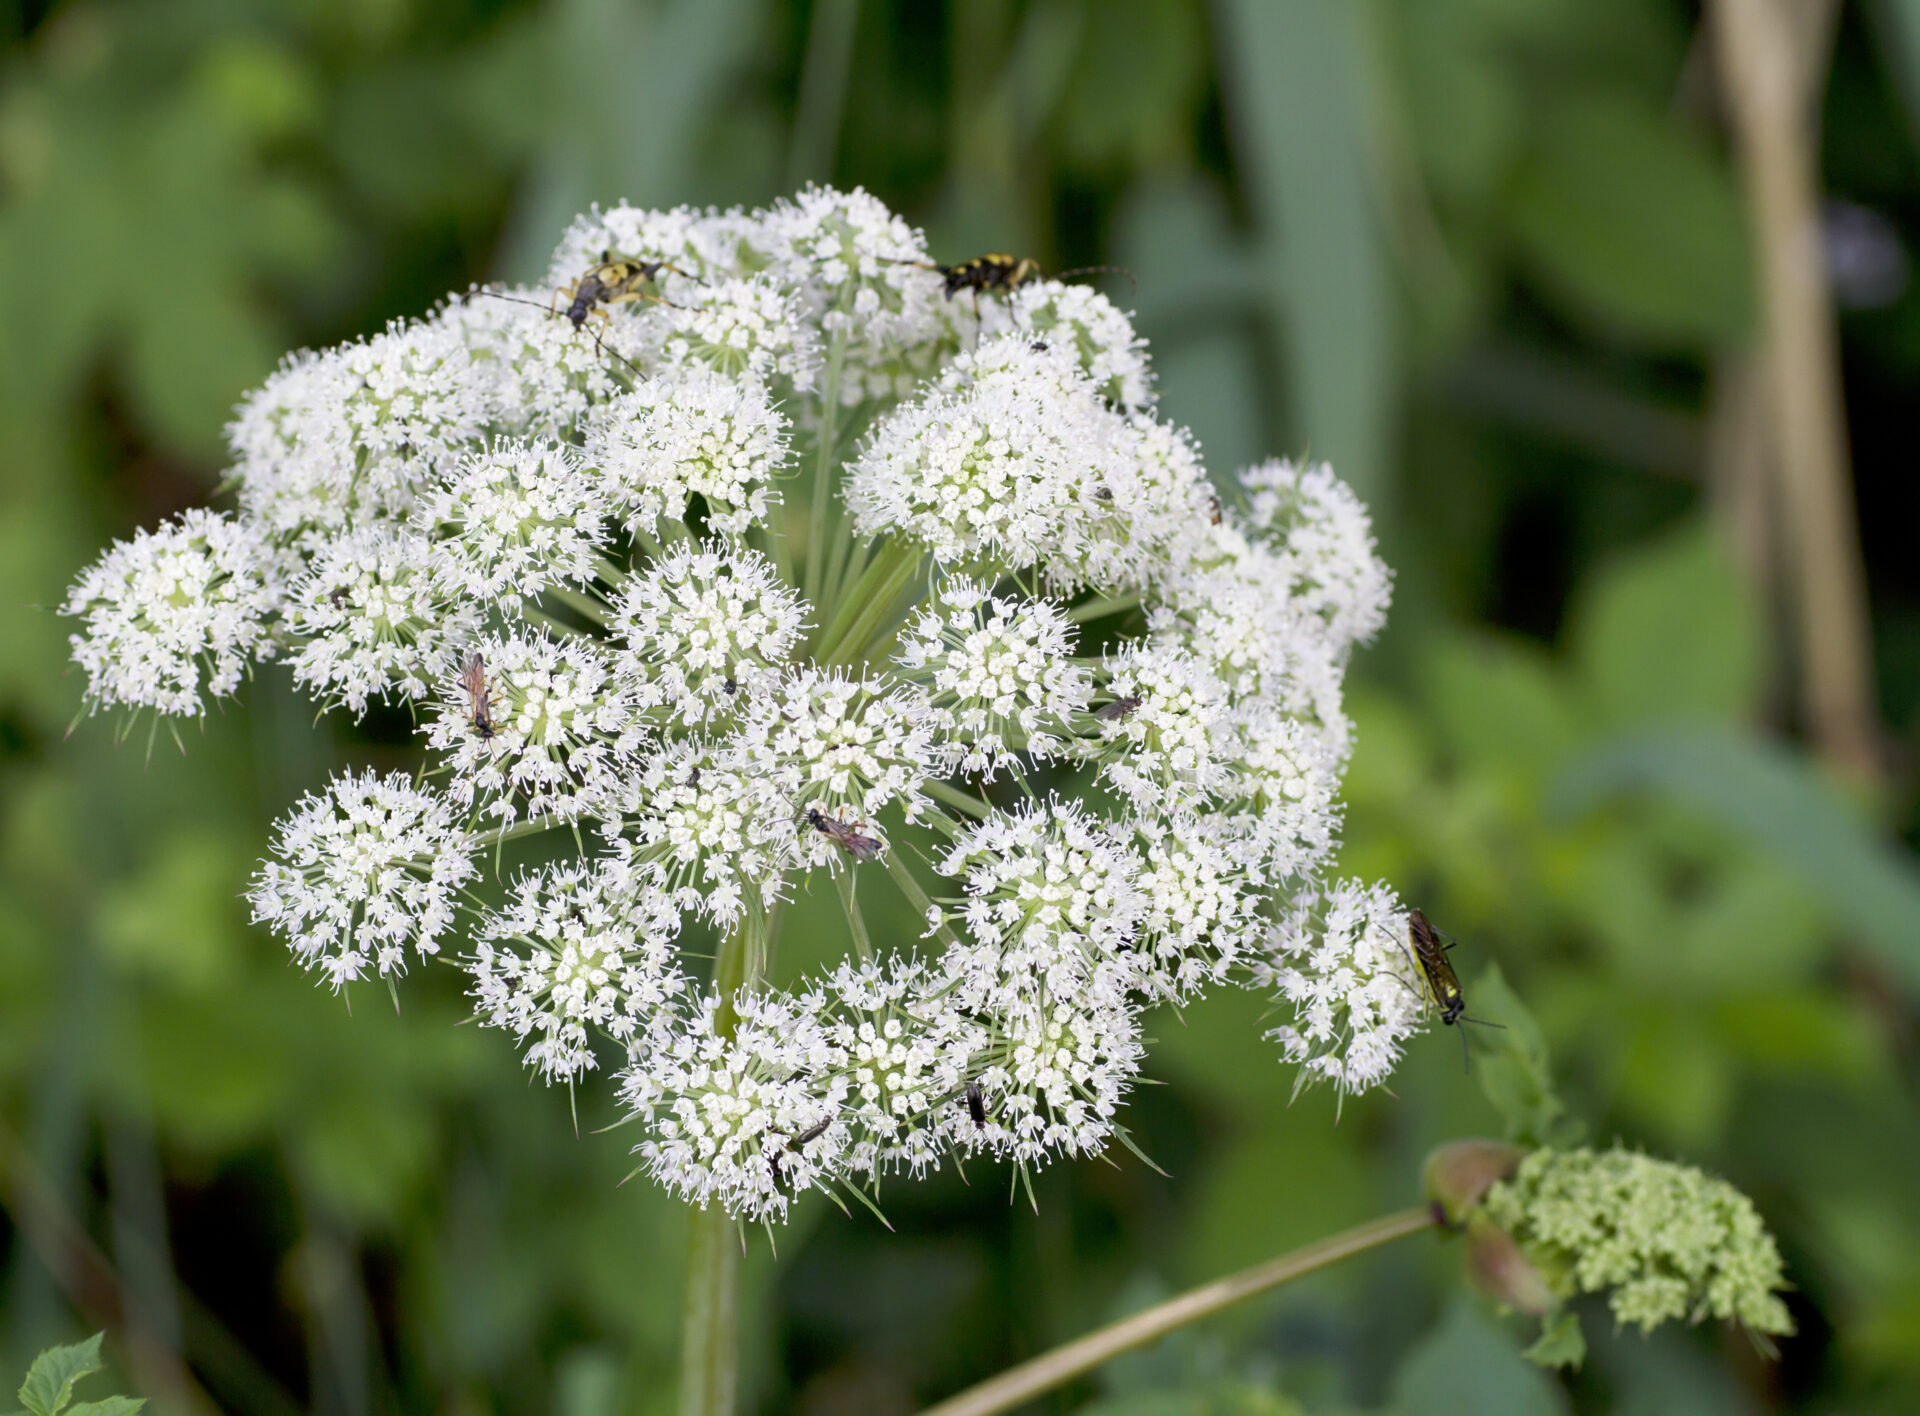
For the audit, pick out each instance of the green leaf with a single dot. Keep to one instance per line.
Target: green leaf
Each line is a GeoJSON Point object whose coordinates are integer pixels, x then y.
{"type": "Point", "coordinates": [49, 1383]}
{"type": "Point", "coordinates": [1469, 1367]}
{"type": "Point", "coordinates": [108, 1406]}
{"type": "Point", "coordinates": [1634, 222]}
{"type": "Point", "coordinates": [1295, 83]}
{"type": "Point", "coordinates": [1668, 631]}
{"type": "Point", "coordinates": [1561, 1342]}
{"type": "Point", "coordinates": [1500, 703]}
{"type": "Point", "coordinates": [1510, 1063]}
{"type": "Point", "coordinates": [1781, 803]}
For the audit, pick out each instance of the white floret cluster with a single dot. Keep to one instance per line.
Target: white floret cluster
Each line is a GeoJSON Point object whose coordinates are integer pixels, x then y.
{"type": "Point", "coordinates": [1002, 649]}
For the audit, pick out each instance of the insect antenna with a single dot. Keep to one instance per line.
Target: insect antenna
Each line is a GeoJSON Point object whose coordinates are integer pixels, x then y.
{"type": "Point", "coordinates": [592, 334]}
{"type": "Point", "coordinates": [1097, 270]}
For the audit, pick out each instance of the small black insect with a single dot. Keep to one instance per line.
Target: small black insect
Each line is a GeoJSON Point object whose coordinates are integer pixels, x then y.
{"type": "Point", "coordinates": [977, 1106]}
{"type": "Point", "coordinates": [1117, 711]}
{"type": "Point", "coordinates": [849, 838]}
{"type": "Point", "coordinates": [731, 687]}
{"type": "Point", "coordinates": [1213, 507]}
{"type": "Point", "coordinates": [812, 1133]}
{"type": "Point", "coordinates": [1443, 984]}
{"type": "Point", "coordinates": [1103, 493]}
{"type": "Point", "coordinates": [693, 778]}
{"type": "Point", "coordinates": [795, 1145]}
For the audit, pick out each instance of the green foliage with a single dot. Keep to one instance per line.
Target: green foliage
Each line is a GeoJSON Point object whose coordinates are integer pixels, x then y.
{"type": "Point", "coordinates": [48, 1389]}
{"type": "Point", "coordinates": [1513, 1069]}
{"type": "Point", "coordinates": [1468, 1367]}
{"type": "Point", "coordinates": [1635, 221]}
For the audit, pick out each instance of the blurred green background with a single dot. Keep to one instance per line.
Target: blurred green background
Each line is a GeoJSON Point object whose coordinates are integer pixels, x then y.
{"type": "Point", "coordinates": [1492, 256]}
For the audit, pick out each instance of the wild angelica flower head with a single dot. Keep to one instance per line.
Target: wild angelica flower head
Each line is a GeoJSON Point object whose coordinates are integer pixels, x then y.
{"type": "Point", "coordinates": [801, 575]}
{"type": "Point", "coordinates": [360, 873]}
{"type": "Point", "coordinates": [1342, 960]}
{"type": "Point", "coordinates": [1669, 1241]}
{"type": "Point", "coordinates": [176, 612]}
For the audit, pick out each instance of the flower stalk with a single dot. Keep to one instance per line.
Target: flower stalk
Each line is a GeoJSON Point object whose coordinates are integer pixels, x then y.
{"type": "Point", "coordinates": [710, 1321]}
{"type": "Point", "coordinates": [1023, 1383]}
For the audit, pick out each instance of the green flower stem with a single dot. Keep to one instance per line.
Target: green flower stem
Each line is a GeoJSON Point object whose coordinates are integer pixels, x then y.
{"type": "Point", "coordinates": [823, 468]}
{"type": "Point", "coordinates": [916, 894]}
{"type": "Point", "coordinates": [865, 606]}
{"type": "Point", "coordinates": [709, 1354]}
{"type": "Point", "coordinates": [1021, 1384]}
{"type": "Point", "coordinates": [589, 609]}
{"type": "Point", "coordinates": [710, 1331]}
{"type": "Point", "coordinates": [1101, 608]}
{"type": "Point", "coordinates": [960, 801]}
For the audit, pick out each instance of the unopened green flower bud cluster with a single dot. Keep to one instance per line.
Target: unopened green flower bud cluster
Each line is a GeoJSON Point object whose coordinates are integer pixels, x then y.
{"type": "Point", "coordinates": [1669, 1241]}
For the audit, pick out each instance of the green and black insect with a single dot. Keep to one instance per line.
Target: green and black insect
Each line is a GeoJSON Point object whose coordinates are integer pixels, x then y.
{"type": "Point", "coordinates": [999, 273]}
{"type": "Point", "coordinates": [1443, 984]}
{"type": "Point", "coordinates": [614, 281]}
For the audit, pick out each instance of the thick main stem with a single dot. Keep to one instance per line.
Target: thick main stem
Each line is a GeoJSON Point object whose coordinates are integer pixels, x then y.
{"type": "Point", "coordinates": [709, 1339]}
{"type": "Point", "coordinates": [1050, 1369]}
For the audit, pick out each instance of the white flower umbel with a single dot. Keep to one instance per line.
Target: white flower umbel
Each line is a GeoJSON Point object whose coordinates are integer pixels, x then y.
{"type": "Point", "coordinates": [559, 725]}
{"type": "Point", "coordinates": [858, 269]}
{"type": "Point", "coordinates": [515, 519]}
{"type": "Point", "coordinates": [1323, 535]}
{"type": "Point", "coordinates": [174, 612]}
{"type": "Point", "coordinates": [707, 629]}
{"type": "Point", "coordinates": [1004, 655]}
{"type": "Point", "coordinates": [361, 872]}
{"type": "Point", "coordinates": [359, 431]}
{"type": "Point", "coordinates": [747, 330]}
{"type": "Point", "coordinates": [840, 745]}
{"type": "Point", "coordinates": [999, 676]}
{"type": "Point", "coordinates": [372, 621]}
{"type": "Point", "coordinates": [1008, 461]}
{"type": "Point", "coordinates": [1343, 963]}
{"type": "Point", "coordinates": [698, 433]}
{"type": "Point", "coordinates": [579, 950]}
{"type": "Point", "coordinates": [1088, 325]}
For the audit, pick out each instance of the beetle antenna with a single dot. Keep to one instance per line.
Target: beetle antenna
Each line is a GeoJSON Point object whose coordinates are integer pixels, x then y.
{"type": "Point", "coordinates": [1098, 269]}
{"type": "Point", "coordinates": [592, 333]}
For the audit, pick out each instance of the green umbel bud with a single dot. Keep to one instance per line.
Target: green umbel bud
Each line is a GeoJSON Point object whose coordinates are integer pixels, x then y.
{"type": "Point", "coordinates": [1668, 1240]}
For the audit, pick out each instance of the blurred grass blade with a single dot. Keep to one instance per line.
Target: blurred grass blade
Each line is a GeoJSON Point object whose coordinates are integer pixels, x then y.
{"type": "Point", "coordinates": [635, 84]}
{"type": "Point", "coordinates": [823, 92]}
{"type": "Point", "coordinates": [1782, 804]}
{"type": "Point", "coordinates": [1293, 74]}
